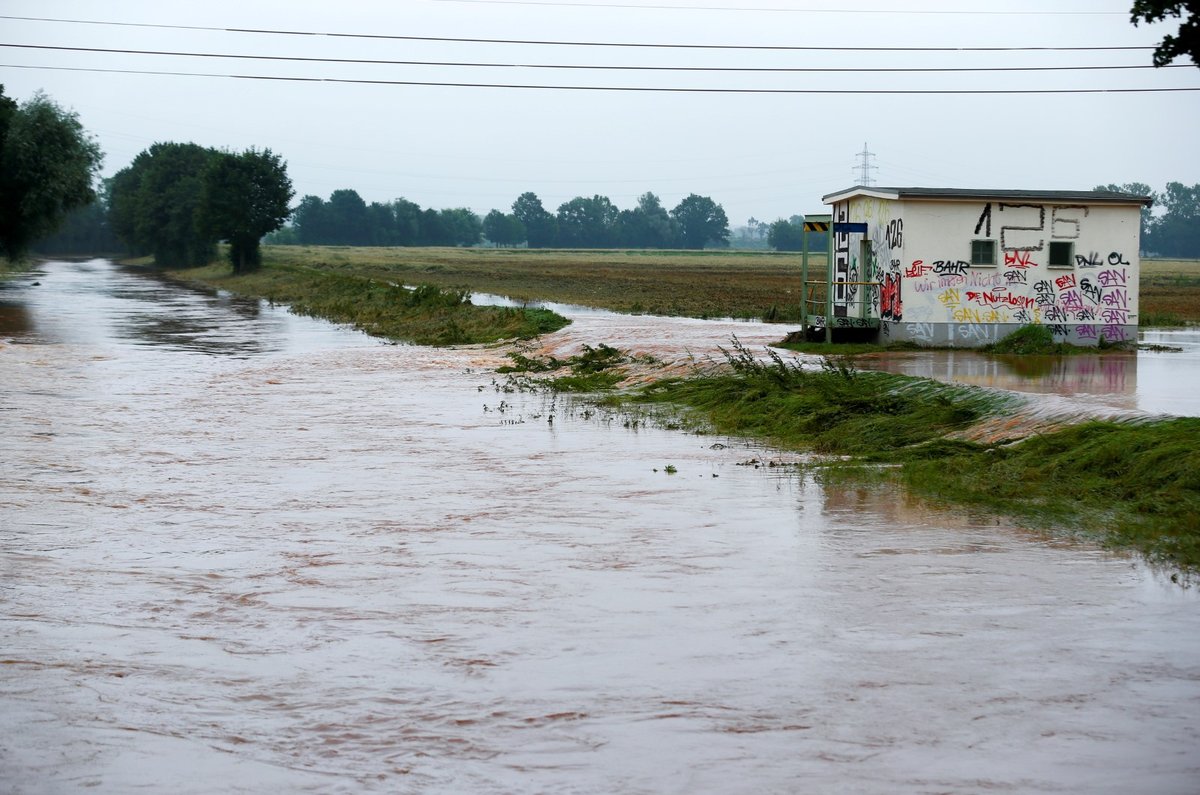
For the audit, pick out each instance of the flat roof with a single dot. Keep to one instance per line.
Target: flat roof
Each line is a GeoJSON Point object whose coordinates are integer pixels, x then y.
{"type": "Point", "coordinates": [965, 194]}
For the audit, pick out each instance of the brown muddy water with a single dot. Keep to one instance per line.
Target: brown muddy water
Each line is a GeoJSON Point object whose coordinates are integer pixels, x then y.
{"type": "Point", "coordinates": [242, 551]}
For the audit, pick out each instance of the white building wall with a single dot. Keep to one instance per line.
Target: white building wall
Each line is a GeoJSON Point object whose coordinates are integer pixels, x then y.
{"type": "Point", "coordinates": [885, 243]}
{"type": "Point", "coordinates": [861, 260]}
{"type": "Point", "coordinates": [943, 299]}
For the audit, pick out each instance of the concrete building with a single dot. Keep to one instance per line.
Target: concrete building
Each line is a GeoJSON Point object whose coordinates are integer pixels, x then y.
{"type": "Point", "coordinates": [948, 266]}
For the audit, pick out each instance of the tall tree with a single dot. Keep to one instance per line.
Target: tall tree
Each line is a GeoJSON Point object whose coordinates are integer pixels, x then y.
{"type": "Point", "coordinates": [1177, 232]}
{"type": "Point", "coordinates": [702, 222]}
{"type": "Point", "coordinates": [784, 235]}
{"type": "Point", "coordinates": [502, 229]}
{"type": "Point", "coordinates": [648, 225]}
{"type": "Point", "coordinates": [246, 196]}
{"type": "Point", "coordinates": [48, 164]}
{"type": "Point", "coordinates": [433, 231]}
{"type": "Point", "coordinates": [312, 221]}
{"type": "Point", "coordinates": [541, 228]}
{"type": "Point", "coordinates": [348, 224]}
{"type": "Point", "coordinates": [587, 223]}
{"type": "Point", "coordinates": [462, 225]}
{"type": "Point", "coordinates": [408, 221]}
{"type": "Point", "coordinates": [1171, 47]}
{"type": "Point", "coordinates": [156, 202]}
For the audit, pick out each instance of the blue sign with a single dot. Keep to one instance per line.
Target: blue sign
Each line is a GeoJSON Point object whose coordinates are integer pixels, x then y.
{"type": "Point", "coordinates": [845, 228]}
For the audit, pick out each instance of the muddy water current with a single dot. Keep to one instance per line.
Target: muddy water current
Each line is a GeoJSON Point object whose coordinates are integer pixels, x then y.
{"type": "Point", "coordinates": [242, 551]}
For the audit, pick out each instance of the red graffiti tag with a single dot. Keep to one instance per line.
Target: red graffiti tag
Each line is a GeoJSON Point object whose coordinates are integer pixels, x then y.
{"type": "Point", "coordinates": [1018, 259]}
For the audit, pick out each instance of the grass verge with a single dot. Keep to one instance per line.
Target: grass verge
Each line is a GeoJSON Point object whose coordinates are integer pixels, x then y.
{"type": "Point", "coordinates": [426, 315]}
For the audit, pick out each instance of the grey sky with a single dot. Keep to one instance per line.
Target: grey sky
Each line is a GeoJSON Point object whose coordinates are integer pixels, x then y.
{"type": "Point", "coordinates": [762, 155]}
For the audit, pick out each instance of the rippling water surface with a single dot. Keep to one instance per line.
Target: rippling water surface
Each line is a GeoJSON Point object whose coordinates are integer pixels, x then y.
{"type": "Point", "coordinates": [242, 551]}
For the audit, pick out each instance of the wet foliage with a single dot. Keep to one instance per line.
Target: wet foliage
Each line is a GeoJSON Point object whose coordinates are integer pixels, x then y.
{"type": "Point", "coordinates": [594, 370]}
{"type": "Point", "coordinates": [426, 315]}
{"type": "Point", "coordinates": [1038, 340]}
{"type": "Point", "coordinates": [836, 409]}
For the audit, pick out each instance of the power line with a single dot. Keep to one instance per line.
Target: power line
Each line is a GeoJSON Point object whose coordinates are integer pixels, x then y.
{"type": "Point", "coordinates": [661, 89]}
{"type": "Point", "coordinates": [494, 65]}
{"type": "Point", "coordinates": [542, 42]}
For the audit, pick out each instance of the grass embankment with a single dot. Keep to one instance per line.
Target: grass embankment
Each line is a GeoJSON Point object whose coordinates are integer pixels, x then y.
{"type": "Point", "coordinates": [704, 284]}
{"type": "Point", "coordinates": [425, 315]}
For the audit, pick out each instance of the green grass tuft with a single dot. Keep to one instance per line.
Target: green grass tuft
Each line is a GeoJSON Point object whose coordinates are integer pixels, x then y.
{"type": "Point", "coordinates": [836, 410]}
{"type": "Point", "coordinates": [426, 315]}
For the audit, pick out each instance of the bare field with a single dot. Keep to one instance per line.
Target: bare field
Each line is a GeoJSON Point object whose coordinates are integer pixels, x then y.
{"type": "Point", "coordinates": [751, 284]}
{"type": "Point", "coordinates": [1169, 292]}
{"type": "Point", "coordinates": [740, 284]}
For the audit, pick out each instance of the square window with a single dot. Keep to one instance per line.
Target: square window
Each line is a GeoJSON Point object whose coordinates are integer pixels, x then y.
{"type": "Point", "coordinates": [983, 253]}
{"type": "Point", "coordinates": [1062, 254]}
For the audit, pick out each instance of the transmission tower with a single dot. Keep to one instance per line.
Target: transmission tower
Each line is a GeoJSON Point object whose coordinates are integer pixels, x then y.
{"type": "Point", "coordinates": [864, 167]}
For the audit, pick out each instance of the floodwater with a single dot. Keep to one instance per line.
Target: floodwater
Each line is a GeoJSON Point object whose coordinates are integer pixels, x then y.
{"type": "Point", "coordinates": [1114, 384]}
{"type": "Point", "coordinates": [242, 551]}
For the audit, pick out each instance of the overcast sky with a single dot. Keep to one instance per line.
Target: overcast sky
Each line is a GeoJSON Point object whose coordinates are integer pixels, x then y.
{"type": "Point", "coordinates": [766, 155]}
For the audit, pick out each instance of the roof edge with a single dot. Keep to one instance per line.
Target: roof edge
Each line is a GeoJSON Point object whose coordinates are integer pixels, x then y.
{"type": "Point", "coordinates": [972, 194]}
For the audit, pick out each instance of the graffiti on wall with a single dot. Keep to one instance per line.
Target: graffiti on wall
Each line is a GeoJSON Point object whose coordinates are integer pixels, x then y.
{"type": "Point", "coordinates": [1090, 300]}
{"type": "Point", "coordinates": [841, 261]}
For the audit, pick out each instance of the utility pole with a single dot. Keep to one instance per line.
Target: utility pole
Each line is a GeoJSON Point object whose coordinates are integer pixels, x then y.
{"type": "Point", "coordinates": [864, 167]}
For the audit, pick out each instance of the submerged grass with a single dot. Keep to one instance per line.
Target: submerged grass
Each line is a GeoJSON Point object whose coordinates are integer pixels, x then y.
{"type": "Point", "coordinates": [836, 410]}
{"type": "Point", "coordinates": [594, 370]}
{"type": "Point", "coordinates": [426, 315]}
{"type": "Point", "coordinates": [1131, 485]}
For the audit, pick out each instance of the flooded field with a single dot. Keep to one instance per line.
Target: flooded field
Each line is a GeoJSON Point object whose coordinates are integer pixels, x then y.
{"type": "Point", "coordinates": [242, 551]}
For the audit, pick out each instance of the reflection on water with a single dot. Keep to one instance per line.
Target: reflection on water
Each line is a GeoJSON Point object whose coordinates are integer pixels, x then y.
{"type": "Point", "coordinates": [1146, 381]}
{"type": "Point", "coordinates": [98, 304]}
{"type": "Point", "coordinates": [1112, 376]}
{"type": "Point", "coordinates": [15, 319]}
{"type": "Point", "coordinates": [327, 565]}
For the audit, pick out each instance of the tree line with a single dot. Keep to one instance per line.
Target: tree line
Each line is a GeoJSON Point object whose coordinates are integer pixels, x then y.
{"type": "Point", "coordinates": [346, 220]}
{"type": "Point", "coordinates": [582, 222]}
{"type": "Point", "coordinates": [1171, 227]}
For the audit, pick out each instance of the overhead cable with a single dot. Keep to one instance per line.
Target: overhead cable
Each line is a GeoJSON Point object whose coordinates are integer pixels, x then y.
{"type": "Point", "coordinates": [501, 65]}
{"type": "Point", "coordinates": [542, 42]}
{"type": "Point", "coordinates": [663, 89]}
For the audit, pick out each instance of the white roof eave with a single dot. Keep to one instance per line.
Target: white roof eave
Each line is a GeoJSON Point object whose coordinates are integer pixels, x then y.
{"type": "Point", "coordinates": [873, 193]}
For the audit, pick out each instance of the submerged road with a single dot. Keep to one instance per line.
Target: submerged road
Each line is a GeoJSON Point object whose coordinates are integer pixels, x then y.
{"type": "Point", "coordinates": [242, 551]}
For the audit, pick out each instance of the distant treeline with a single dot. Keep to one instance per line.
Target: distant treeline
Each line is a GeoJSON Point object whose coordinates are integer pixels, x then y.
{"type": "Point", "coordinates": [595, 222]}
{"type": "Point", "coordinates": [1170, 229]}
{"type": "Point", "coordinates": [346, 220]}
